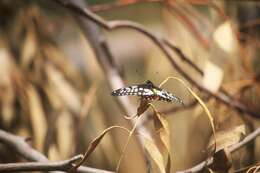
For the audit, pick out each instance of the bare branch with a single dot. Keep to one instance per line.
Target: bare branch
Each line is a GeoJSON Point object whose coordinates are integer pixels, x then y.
{"type": "Point", "coordinates": [231, 149]}
{"type": "Point", "coordinates": [19, 145]}
{"type": "Point", "coordinates": [245, 141]}
{"type": "Point", "coordinates": [39, 166]}
{"type": "Point", "coordinates": [160, 42]}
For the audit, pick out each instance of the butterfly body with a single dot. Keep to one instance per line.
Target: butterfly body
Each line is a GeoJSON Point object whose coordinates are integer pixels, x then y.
{"type": "Point", "coordinates": [147, 91]}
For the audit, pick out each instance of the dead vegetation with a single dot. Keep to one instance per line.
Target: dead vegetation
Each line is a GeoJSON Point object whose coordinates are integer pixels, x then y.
{"type": "Point", "coordinates": [60, 60]}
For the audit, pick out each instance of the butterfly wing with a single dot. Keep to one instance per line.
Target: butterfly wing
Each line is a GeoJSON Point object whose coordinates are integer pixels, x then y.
{"type": "Point", "coordinates": [147, 91]}
{"type": "Point", "coordinates": [169, 97]}
{"type": "Point", "coordinates": [139, 90]}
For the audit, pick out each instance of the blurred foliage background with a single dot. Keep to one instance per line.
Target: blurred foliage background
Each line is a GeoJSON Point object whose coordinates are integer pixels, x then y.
{"type": "Point", "coordinates": [53, 90]}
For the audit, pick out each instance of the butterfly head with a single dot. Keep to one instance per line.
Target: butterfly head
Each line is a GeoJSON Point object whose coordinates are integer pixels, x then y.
{"type": "Point", "coordinates": [149, 83]}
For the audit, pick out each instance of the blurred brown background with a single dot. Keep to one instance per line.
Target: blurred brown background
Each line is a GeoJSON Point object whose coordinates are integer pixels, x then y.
{"type": "Point", "coordinates": [53, 89]}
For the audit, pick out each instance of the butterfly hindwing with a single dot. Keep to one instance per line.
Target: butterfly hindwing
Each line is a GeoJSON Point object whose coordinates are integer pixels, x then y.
{"type": "Point", "coordinates": [169, 97]}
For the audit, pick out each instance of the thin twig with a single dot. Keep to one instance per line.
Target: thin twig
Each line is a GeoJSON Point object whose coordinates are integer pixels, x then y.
{"type": "Point", "coordinates": [160, 42]}
{"type": "Point", "coordinates": [19, 145]}
{"type": "Point", "coordinates": [231, 149]}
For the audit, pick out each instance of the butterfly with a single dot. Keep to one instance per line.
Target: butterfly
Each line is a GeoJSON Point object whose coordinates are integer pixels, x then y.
{"type": "Point", "coordinates": [147, 91]}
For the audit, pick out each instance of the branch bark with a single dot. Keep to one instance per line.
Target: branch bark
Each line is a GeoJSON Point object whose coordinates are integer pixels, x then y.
{"type": "Point", "coordinates": [40, 166]}
{"type": "Point", "coordinates": [19, 145]}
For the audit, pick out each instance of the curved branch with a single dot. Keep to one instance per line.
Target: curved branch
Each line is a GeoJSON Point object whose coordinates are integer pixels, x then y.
{"type": "Point", "coordinates": [165, 48]}
{"type": "Point", "coordinates": [19, 145]}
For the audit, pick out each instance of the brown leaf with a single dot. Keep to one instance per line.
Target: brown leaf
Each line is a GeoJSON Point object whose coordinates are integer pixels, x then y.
{"type": "Point", "coordinates": [92, 146]}
{"type": "Point", "coordinates": [203, 105]}
{"type": "Point", "coordinates": [155, 154]}
{"type": "Point", "coordinates": [29, 47]}
{"type": "Point", "coordinates": [162, 128]}
{"type": "Point", "coordinates": [7, 94]}
{"type": "Point", "coordinates": [37, 115]}
{"type": "Point", "coordinates": [222, 161]}
{"type": "Point", "coordinates": [227, 138]}
{"type": "Point", "coordinates": [212, 71]}
{"type": "Point", "coordinates": [87, 102]}
{"type": "Point", "coordinates": [65, 134]}
{"type": "Point", "coordinates": [66, 92]}
{"type": "Point", "coordinates": [144, 105]}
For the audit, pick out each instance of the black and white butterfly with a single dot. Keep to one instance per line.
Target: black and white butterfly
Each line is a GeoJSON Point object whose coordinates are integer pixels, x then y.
{"type": "Point", "coordinates": [147, 91]}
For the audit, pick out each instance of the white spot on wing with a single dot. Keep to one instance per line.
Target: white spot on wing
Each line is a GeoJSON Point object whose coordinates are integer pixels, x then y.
{"type": "Point", "coordinates": [147, 92]}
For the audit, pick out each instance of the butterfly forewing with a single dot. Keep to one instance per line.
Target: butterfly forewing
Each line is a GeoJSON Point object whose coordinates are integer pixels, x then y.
{"type": "Point", "coordinates": [139, 90]}
{"type": "Point", "coordinates": [147, 91]}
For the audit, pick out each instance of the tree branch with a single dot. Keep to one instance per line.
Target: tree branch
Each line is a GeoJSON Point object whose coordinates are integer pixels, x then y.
{"type": "Point", "coordinates": [19, 145]}
{"type": "Point", "coordinates": [231, 149]}
{"type": "Point", "coordinates": [165, 48]}
{"type": "Point", "coordinates": [39, 166]}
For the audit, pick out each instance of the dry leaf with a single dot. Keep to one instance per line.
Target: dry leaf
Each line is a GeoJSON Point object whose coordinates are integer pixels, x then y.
{"type": "Point", "coordinates": [65, 134]}
{"type": "Point", "coordinates": [6, 93]}
{"type": "Point", "coordinates": [222, 161]}
{"type": "Point", "coordinates": [144, 105]}
{"type": "Point", "coordinates": [210, 117]}
{"type": "Point", "coordinates": [37, 116]}
{"type": "Point", "coordinates": [29, 47]}
{"type": "Point", "coordinates": [88, 100]}
{"type": "Point", "coordinates": [222, 158]}
{"type": "Point", "coordinates": [225, 37]}
{"type": "Point", "coordinates": [155, 154]}
{"type": "Point", "coordinates": [64, 89]}
{"type": "Point", "coordinates": [162, 128]}
{"type": "Point", "coordinates": [92, 146]}
{"type": "Point", "coordinates": [53, 153]}
{"type": "Point", "coordinates": [227, 138]}
{"type": "Point", "coordinates": [63, 64]}
{"type": "Point", "coordinates": [5, 67]}
{"type": "Point", "coordinates": [213, 76]}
